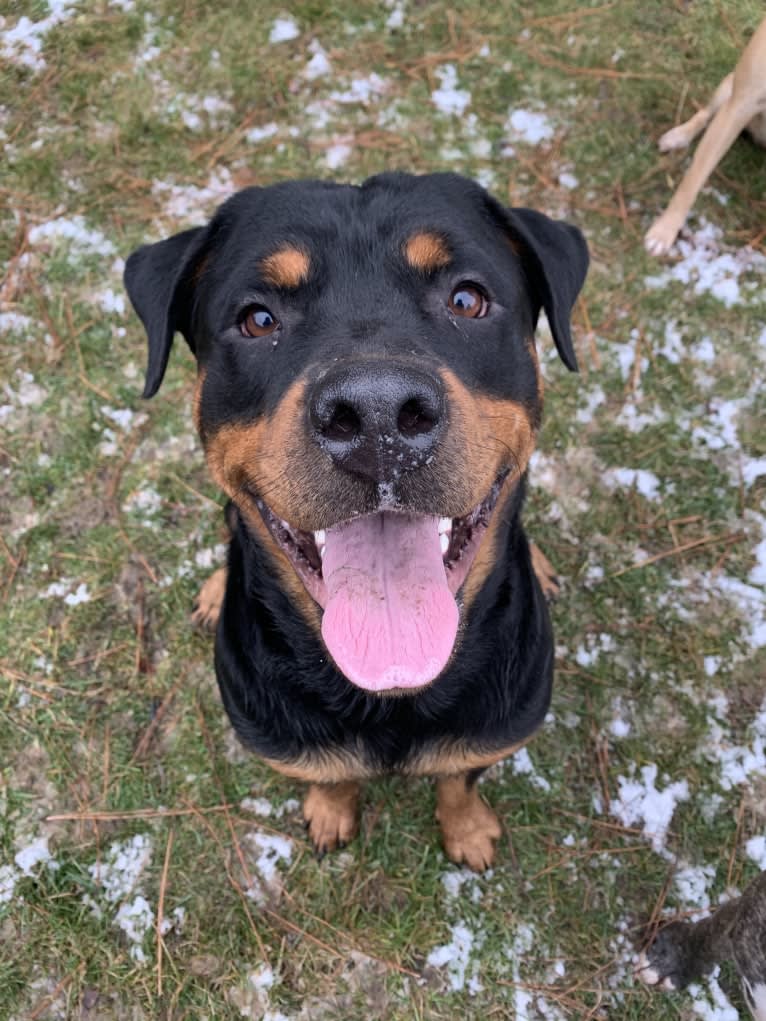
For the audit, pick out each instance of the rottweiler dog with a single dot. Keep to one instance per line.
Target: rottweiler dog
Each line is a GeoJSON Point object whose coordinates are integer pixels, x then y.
{"type": "Point", "coordinates": [368, 397]}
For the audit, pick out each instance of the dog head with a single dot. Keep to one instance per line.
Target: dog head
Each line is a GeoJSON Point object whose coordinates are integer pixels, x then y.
{"type": "Point", "coordinates": [368, 390]}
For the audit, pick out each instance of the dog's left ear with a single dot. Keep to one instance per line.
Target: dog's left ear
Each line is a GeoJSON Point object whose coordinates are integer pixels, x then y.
{"type": "Point", "coordinates": [158, 281]}
{"type": "Point", "coordinates": [555, 260]}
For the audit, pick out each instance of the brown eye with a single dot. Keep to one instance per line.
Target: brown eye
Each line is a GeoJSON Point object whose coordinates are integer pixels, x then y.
{"type": "Point", "coordinates": [469, 301]}
{"type": "Point", "coordinates": [258, 322]}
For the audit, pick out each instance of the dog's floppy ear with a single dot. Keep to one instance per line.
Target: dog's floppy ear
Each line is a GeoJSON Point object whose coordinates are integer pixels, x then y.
{"type": "Point", "coordinates": [555, 259]}
{"type": "Point", "coordinates": [157, 279]}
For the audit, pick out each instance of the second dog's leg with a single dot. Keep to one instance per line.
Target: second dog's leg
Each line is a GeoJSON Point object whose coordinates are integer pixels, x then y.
{"type": "Point", "coordinates": [730, 120]}
{"type": "Point", "coordinates": [207, 606]}
{"type": "Point", "coordinates": [684, 134]}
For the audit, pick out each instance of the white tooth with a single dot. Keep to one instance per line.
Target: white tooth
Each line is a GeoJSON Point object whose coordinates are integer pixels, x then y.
{"type": "Point", "coordinates": [319, 537]}
{"type": "Point", "coordinates": [321, 552]}
{"type": "Point", "coordinates": [444, 543]}
{"type": "Point", "coordinates": [445, 525]}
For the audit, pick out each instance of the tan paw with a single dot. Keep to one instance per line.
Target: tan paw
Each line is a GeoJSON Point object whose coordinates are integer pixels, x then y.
{"type": "Point", "coordinates": [662, 234]}
{"type": "Point", "coordinates": [469, 826]}
{"type": "Point", "coordinates": [207, 606]}
{"type": "Point", "coordinates": [546, 575]}
{"type": "Point", "coordinates": [677, 138]}
{"type": "Point", "coordinates": [330, 811]}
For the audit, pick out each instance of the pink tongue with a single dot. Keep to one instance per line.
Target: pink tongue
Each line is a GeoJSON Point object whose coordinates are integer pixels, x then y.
{"type": "Point", "coordinates": [390, 620]}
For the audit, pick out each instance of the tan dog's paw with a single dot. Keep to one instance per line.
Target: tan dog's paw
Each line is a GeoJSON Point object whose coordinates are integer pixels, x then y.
{"type": "Point", "coordinates": [662, 234]}
{"type": "Point", "coordinates": [469, 826]}
{"type": "Point", "coordinates": [331, 815]}
{"type": "Point", "coordinates": [546, 575]}
{"type": "Point", "coordinates": [207, 606]}
{"type": "Point", "coordinates": [678, 137]}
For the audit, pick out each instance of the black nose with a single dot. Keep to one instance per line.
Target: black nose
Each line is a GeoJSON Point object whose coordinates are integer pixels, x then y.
{"type": "Point", "coordinates": [376, 419]}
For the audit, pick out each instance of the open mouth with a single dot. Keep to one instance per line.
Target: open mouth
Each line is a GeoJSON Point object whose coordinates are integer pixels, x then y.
{"type": "Point", "coordinates": [387, 583]}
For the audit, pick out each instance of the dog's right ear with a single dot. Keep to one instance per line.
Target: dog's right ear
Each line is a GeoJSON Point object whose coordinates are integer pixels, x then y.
{"type": "Point", "coordinates": [158, 279]}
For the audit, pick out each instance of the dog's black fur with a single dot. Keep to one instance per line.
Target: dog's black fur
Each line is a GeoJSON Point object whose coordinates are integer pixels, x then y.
{"type": "Point", "coordinates": [362, 300]}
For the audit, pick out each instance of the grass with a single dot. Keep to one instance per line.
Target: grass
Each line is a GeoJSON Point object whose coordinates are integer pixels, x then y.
{"type": "Point", "coordinates": [108, 706]}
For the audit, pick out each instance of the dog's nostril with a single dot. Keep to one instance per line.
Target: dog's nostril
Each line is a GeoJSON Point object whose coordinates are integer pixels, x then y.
{"type": "Point", "coordinates": [344, 423]}
{"type": "Point", "coordinates": [415, 419]}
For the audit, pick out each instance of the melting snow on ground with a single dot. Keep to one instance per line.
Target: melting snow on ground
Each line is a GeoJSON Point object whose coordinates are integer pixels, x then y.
{"type": "Point", "coordinates": [528, 126]}
{"type": "Point", "coordinates": [455, 957]}
{"type": "Point", "coordinates": [710, 1002]}
{"type": "Point", "coordinates": [191, 205]}
{"type": "Point", "coordinates": [283, 30]}
{"type": "Point", "coordinates": [736, 762]}
{"type": "Point", "coordinates": [25, 862]}
{"type": "Point", "coordinates": [448, 98]}
{"type": "Point", "coordinates": [23, 42]}
{"type": "Point", "coordinates": [522, 765]}
{"type": "Point", "coordinates": [639, 800]}
{"type": "Point", "coordinates": [709, 267]}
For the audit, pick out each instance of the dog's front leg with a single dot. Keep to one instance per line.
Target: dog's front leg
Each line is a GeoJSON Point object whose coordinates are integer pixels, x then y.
{"type": "Point", "coordinates": [331, 811]}
{"type": "Point", "coordinates": [469, 826]}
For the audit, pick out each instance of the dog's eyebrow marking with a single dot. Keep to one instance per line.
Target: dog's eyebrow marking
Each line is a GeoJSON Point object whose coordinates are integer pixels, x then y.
{"type": "Point", "coordinates": [427, 251]}
{"type": "Point", "coordinates": [288, 267]}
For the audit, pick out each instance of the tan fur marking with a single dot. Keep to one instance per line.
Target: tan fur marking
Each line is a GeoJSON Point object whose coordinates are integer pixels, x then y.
{"type": "Point", "coordinates": [498, 429]}
{"type": "Point", "coordinates": [207, 606]}
{"type": "Point", "coordinates": [546, 573]}
{"type": "Point", "coordinates": [255, 456]}
{"type": "Point", "coordinates": [469, 826]}
{"type": "Point", "coordinates": [457, 757]}
{"type": "Point", "coordinates": [331, 811]}
{"type": "Point", "coordinates": [427, 252]}
{"type": "Point", "coordinates": [288, 267]}
{"type": "Point", "coordinates": [332, 766]}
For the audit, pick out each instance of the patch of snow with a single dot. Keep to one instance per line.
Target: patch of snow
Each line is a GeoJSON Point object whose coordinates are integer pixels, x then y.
{"type": "Point", "coordinates": [337, 155]}
{"type": "Point", "coordinates": [455, 956]}
{"type": "Point", "coordinates": [709, 268]}
{"type": "Point", "coordinates": [522, 765]}
{"type": "Point", "coordinates": [263, 131]}
{"type": "Point", "coordinates": [645, 482]}
{"type": "Point", "coordinates": [454, 881]}
{"type": "Point", "coordinates": [569, 181]}
{"type": "Point", "coordinates": [712, 1004]}
{"type": "Point", "coordinates": [74, 232]}
{"type": "Point", "coordinates": [692, 884]}
{"type": "Point", "coordinates": [118, 872]}
{"type": "Point", "coordinates": [15, 322]}
{"type": "Point", "coordinates": [586, 655]}
{"type": "Point", "coordinates": [319, 65]}
{"type": "Point", "coordinates": [28, 858]}
{"type": "Point", "coordinates": [528, 126]}
{"type": "Point", "coordinates": [22, 43]}
{"type": "Point", "coordinates": [110, 301]}
{"type": "Point", "coordinates": [189, 204]}
{"type": "Point", "coordinates": [283, 30]}
{"type": "Point", "coordinates": [737, 763]}
{"type": "Point", "coordinates": [136, 919]}
{"type": "Point", "coordinates": [144, 500]}
{"type": "Point", "coordinates": [448, 98]}
{"type": "Point", "coordinates": [755, 849]}
{"type": "Point", "coordinates": [80, 595]}
{"type": "Point", "coordinates": [639, 800]}
{"type": "Point", "coordinates": [361, 90]}
{"type": "Point", "coordinates": [396, 17]}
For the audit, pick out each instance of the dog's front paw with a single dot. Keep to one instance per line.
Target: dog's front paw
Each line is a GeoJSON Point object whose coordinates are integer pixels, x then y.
{"type": "Point", "coordinates": [666, 962]}
{"type": "Point", "coordinates": [678, 137]}
{"type": "Point", "coordinates": [470, 833]}
{"type": "Point", "coordinates": [207, 606]}
{"type": "Point", "coordinates": [661, 235]}
{"type": "Point", "coordinates": [330, 811]}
